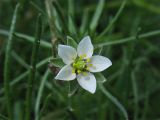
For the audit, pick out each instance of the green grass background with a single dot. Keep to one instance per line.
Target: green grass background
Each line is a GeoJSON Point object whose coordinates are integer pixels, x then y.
{"type": "Point", "coordinates": [127, 33]}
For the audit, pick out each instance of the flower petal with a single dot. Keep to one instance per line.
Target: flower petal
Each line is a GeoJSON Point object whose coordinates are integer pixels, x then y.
{"type": "Point", "coordinates": [66, 73]}
{"type": "Point", "coordinates": [88, 82]}
{"type": "Point", "coordinates": [85, 47]}
{"type": "Point", "coordinates": [99, 63]}
{"type": "Point", "coordinates": [67, 53]}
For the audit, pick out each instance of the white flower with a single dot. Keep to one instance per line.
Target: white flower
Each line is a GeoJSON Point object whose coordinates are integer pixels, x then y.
{"type": "Point", "coordinates": [80, 63]}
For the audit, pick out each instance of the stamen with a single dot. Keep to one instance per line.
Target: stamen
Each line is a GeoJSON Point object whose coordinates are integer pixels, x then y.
{"type": "Point", "coordinates": [85, 55]}
{"type": "Point", "coordinates": [89, 65]}
{"type": "Point", "coordinates": [88, 60]}
{"type": "Point", "coordinates": [79, 71]}
{"type": "Point", "coordinates": [84, 73]}
{"type": "Point", "coordinates": [73, 70]}
{"type": "Point", "coordinates": [81, 57]}
{"type": "Point", "coordinates": [74, 64]}
{"type": "Point", "coordinates": [87, 68]}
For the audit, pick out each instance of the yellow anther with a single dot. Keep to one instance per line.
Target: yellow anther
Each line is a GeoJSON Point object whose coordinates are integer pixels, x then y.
{"type": "Point", "coordinates": [79, 71]}
{"type": "Point", "coordinates": [74, 64]}
{"type": "Point", "coordinates": [87, 68]}
{"type": "Point", "coordinates": [90, 65]}
{"type": "Point", "coordinates": [84, 73]}
{"type": "Point", "coordinates": [73, 70]}
{"type": "Point", "coordinates": [85, 55]}
{"type": "Point", "coordinates": [81, 57]}
{"type": "Point", "coordinates": [88, 60]}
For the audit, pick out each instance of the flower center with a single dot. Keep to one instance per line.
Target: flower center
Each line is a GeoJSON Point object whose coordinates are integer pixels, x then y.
{"type": "Point", "coordinates": [79, 64]}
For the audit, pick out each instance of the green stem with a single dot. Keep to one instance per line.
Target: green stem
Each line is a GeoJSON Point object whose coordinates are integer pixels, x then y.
{"type": "Point", "coordinates": [33, 67]}
{"type": "Point", "coordinates": [7, 64]}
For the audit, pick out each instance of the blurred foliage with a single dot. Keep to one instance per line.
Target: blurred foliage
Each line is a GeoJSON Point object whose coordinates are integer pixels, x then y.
{"type": "Point", "coordinates": [133, 79]}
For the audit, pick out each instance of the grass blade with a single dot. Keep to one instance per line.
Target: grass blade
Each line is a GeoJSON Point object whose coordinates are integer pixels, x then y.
{"type": "Point", "coordinates": [114, 19]}
{"type": "Point", "coordinates": [19, 60]}
{"type": "Point", "coordinates": [114, 100]}
{"type": "Point", "coordinates": [27, 38]}
{"type": "Point", "coordinates": [7, 63]}
{"type": "Point", "coordinates": [97, 15]}
{"type": "Point", "coordinates": [84, 23]}
{"type": "Point", "coordinates": [132, 38]}
{"type": "Point", "coordinates": [23, 75]}
{"type": "Point", "coordinates": [40, 92]}
{"type": "Point", "coordinates": [135, 93]}
{"type": "Point", "coordinates": [33, 68]}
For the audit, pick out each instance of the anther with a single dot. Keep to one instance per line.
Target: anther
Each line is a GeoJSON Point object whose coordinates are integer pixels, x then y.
{"type": "Point", "coordinates": [88, 60]}
{"type": "Point", "coordinates": [84, 73]}
{"type": "Point", "coordinates": [73, 70]}
{"type": "Point", "coordinates": [78, 71]}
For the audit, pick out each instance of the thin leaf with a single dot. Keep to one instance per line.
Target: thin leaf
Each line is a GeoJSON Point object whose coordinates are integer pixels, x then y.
{"type": "Point", "coordinates": [23, 75]}
{"type": "Point", "coordinates": [19, 60]}
{"type": "Point", "coordinates": [7, 63]}
{"type": "Point", "coordinates": [97, 15]}
{"type": "Point", "coordinates": [40, 93]}
{"type": "Point", "coordinates": [132, 38]}
{"type": "Point", "coordinates": [33, 67]}
{"type": "Point", "coordinates": [27, 38]}
{"type": "Point", "coordinates": [114, 100]}
{"type": "Point", "coordinates": [71, 26]}
{"type": "Point", "coordinates": [84, 23]}
{"type": "Point", "coordinates": [114, 19]}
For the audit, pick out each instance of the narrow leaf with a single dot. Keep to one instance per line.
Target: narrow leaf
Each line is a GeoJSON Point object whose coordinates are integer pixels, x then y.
{"type": "Point", "coordinates": [114, 19]}
{"type": "Point", "coordinates": [114, 100]}
{"type": "Point", "coordinates": [7, 63]}
{"type": "Point", "coordinates": [97, 15]}
{"type": "Point", "coordinates": [32, 71]}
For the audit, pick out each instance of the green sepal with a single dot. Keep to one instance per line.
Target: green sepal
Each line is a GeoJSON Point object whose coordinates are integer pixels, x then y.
{"type": "Point", "coordinates": [71, 42]}
{"type": "Point", "coordinates": [57, 62]}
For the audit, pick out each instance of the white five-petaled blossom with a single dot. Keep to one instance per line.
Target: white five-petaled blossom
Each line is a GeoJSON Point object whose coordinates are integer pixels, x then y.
{"type": "Point", "coordinates": [81, 64]}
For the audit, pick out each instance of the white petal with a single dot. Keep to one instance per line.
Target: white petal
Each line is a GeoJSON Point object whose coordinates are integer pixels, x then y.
{"type": "Point", "coordinates": [85, 47]}
{"type": "Point", "coordinates": [66, 73]}
{"type": "Point", "coordinates": [99, 63]}
{"type": "Point", "coordinates": [67, 53]}
{"type": "Point", "coordinates": [88, 82]}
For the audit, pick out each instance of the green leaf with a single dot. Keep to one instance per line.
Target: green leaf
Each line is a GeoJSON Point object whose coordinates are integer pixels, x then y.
{"type": "Point", "coordinates": [114, 19]}
{"type": "Point", "coordinates": [33, 69]}
{"type": "Point", "coordinates": [57, 62]}
{"type": "Point", "coordinates": [96, 16]}
{"type": "Point", "coordinates": [84, 24]}
{"type": "Point", "coordinates": [71, 26]}
{"type": "Point", "coordinates": [128, 39]}
{"type": "Point", "coordinates": [100, 78]}
{"type": "Point", "coordinates": [71, 42]}
{"type": "Point", "coordinates": [7, 64]}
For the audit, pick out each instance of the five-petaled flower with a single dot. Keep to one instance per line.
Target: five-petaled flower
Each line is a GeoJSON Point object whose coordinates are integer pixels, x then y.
{"type": "Point", "coordinates": [81, 64]}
